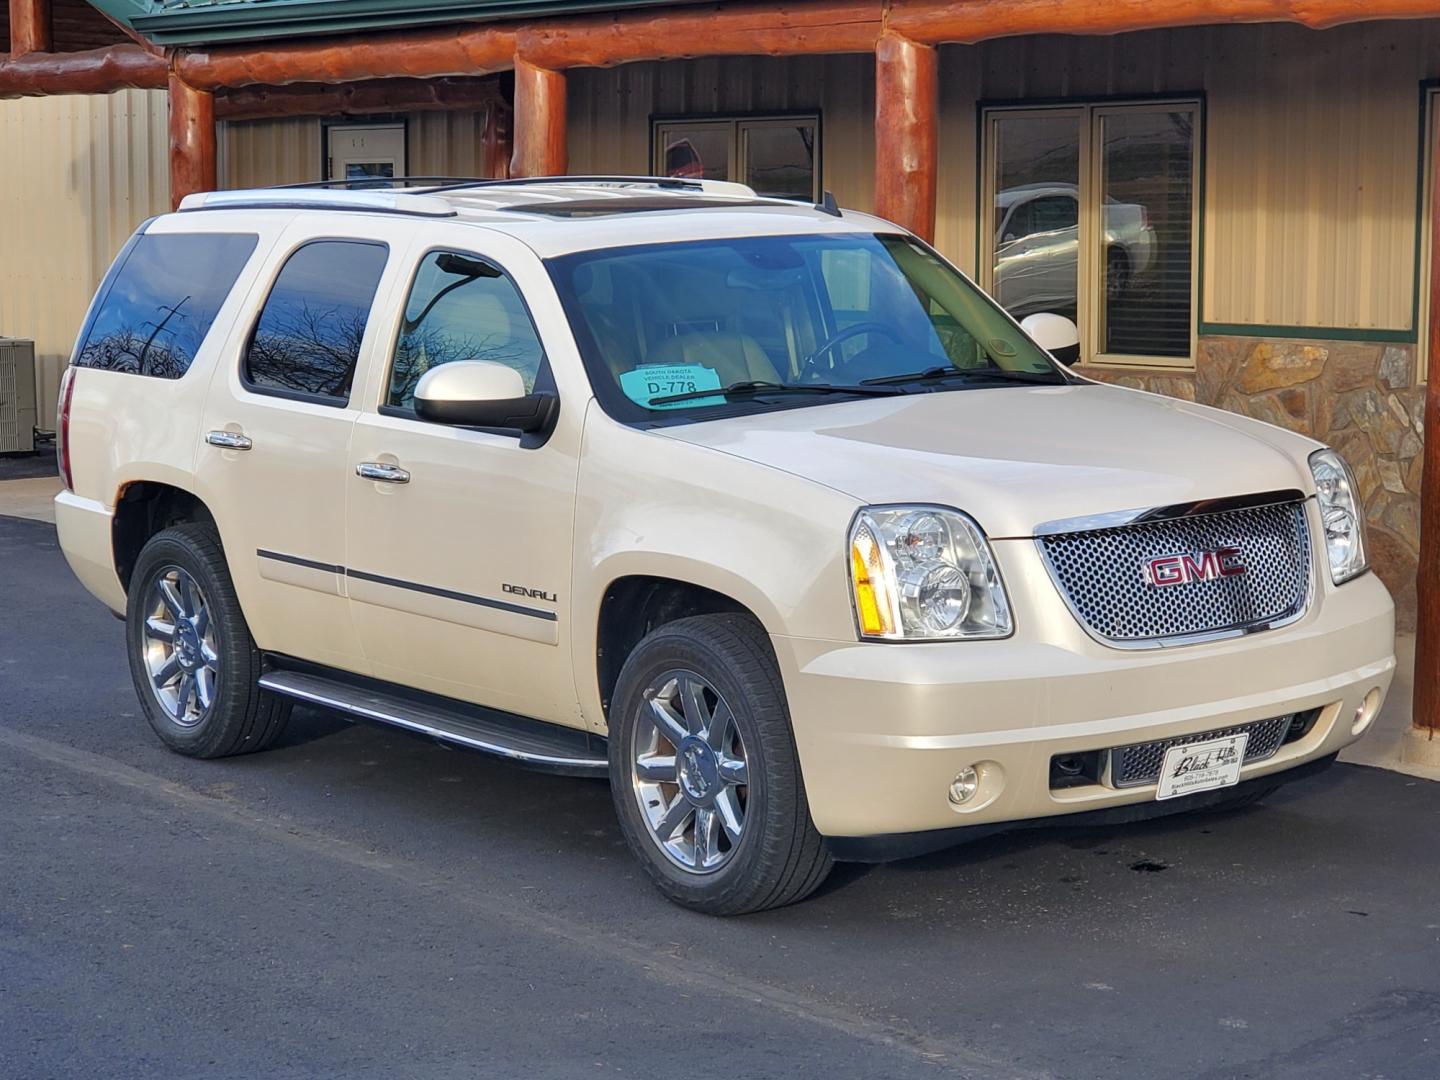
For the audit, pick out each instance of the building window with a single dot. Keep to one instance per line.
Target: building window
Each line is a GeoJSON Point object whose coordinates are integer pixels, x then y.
{"type": "Point", "coordinates": [775, 155]}
{"type": "Point", "coordinates": [1094, 216]}
{"type": "Point", "coordinates": [1425, 247]}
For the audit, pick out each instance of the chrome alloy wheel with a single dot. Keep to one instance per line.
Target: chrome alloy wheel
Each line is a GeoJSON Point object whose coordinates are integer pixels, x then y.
{"type": "Point", "coordinates": [179, 647]}
{"type": "Point", "coordinates": [690, 772]}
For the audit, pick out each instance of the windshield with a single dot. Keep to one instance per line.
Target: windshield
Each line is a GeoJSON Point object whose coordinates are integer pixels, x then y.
{"type": "Point", "coordinates": [783, 321]}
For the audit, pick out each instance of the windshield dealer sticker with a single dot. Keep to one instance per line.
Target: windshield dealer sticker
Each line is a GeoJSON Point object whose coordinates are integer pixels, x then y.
{"type": "Point", "coordinates": [661, 380]}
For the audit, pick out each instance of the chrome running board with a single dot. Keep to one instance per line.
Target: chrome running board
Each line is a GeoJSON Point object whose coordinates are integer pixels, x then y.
{"type": "Point", "coordinates": [539, 745]}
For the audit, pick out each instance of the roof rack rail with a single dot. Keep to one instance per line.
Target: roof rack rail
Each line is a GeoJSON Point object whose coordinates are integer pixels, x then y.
{"type": "Point", "coordinates": [383, 183]}
{"type": "Point", "coordinates": [679, 183]}
{"type": "Point", "coordinates": [417, 204]}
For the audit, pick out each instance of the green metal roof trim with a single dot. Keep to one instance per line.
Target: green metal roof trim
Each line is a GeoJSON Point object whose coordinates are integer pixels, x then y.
{"type": "Point", "coordinates": [210, 22]}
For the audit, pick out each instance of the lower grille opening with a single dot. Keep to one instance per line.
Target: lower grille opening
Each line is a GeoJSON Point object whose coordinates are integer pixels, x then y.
{"type": "Point", "coordinates": [1077, 770]}
{"type": "Point", "coordinates": [1139, 763]}
{"type": "Point", "coordinates": [1302, 724]}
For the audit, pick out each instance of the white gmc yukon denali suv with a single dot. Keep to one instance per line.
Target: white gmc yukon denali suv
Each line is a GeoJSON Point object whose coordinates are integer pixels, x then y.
{"type": "Point", "coordinates": [759, 509]}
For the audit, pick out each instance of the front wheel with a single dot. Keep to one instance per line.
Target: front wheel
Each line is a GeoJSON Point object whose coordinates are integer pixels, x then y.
{"type": "Point", "coordinates": [704, 773]}
{"type": "Point", "coordinates": [193, 662]}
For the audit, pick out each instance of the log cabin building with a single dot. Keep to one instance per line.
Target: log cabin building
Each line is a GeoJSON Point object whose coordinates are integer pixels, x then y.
{"type": "Point", "coordinates": [1233, 198]}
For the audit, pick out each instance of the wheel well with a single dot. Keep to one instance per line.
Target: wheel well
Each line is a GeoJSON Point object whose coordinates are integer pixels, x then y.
{"type": "Point", "coordinates": [143, 509]}
{"type": "Point", "coordinates": [634, 606]}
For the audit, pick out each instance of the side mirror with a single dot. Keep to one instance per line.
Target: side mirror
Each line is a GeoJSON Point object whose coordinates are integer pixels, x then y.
{"type": "Point", "coordinates": [1054, 333]}
{"type": "Point", "coordinates": [481, 393]}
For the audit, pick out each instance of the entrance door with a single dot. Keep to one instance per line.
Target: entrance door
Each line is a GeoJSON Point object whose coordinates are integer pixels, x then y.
{"type": "Point", "coordinates": [359, 151]}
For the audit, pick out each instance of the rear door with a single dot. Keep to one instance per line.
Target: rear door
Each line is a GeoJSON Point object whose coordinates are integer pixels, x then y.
{"type": "Point", "coordinates": [459, 565]}
{"type": "Point", "coordinates": [276, 432]}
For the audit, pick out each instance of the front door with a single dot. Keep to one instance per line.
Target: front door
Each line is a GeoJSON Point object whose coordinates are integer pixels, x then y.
{"type": "Point", "coordinates": [361, 151]}
{"type": "Point", "coordinates": [460, 540]}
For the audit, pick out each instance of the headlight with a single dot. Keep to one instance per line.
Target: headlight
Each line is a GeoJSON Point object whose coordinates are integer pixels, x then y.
{"type": "Point", "coordinates": [924, 573]}
{"type": "Point", "coordinates": [1340, 514]}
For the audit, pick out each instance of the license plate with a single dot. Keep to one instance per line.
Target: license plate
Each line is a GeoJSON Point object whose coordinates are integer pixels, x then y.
{"type": "Point", "coordinates": [1202, 766]}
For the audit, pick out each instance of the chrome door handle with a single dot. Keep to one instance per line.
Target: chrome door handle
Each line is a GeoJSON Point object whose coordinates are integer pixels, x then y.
{"type": "Point", "coordinates": [230, 440]}
{"type": "Point", "coordinates": [385, 474]}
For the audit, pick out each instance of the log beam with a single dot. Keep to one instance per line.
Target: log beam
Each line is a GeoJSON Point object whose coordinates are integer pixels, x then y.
{"type": "Point", "coordinates": [732, 29]}
{"type": "Point", "coordinates": [946, 22]}
{"type": "Point", "coordinates": [94, 71]}
{"type": "Point", "coordinates": [31, 28]}
{"type": "Point", "coordinates": [907, 108]}
{"type": "Point", "coordinates": [192, 140]}
{"type": "Point", "coordinates": [540, 148]}
{"type": "Point", "coordinates": [412, 53]}
{"type": "Point", "coordinates": [356, 99]}
{"type": "Point", "coordinates": [1425, 711]}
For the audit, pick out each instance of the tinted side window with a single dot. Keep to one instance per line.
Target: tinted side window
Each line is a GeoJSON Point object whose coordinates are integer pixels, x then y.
{"type": "Point", "coordinates": [162, 301]}
{"type": "Point", "coordinates": [461, 308]}
{"type": "Point", "coordinates": [307, 339]}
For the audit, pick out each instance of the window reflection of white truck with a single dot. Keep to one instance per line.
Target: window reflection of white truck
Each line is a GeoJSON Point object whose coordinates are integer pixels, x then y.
{"type": "Point", "coordinates": [1037, 247]}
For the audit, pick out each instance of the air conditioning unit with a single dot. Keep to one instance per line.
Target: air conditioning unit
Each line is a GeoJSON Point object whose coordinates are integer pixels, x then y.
{"type": "Point", "coordinates": [17, 395]}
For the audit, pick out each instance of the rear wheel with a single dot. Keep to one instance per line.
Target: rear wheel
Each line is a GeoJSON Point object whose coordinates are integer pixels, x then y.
{"type": "Point", "coordinates": [192, 659]}
{"type": "Point", "coordinates": [704, 773]}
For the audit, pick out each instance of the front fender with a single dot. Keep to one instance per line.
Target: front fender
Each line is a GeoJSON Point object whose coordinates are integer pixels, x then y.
{"type": "Point", "coordinates": [651, 505]}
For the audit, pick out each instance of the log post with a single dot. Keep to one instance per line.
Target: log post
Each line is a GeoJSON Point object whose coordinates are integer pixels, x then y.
{"type": "Point", "coordinates": [498, 141]}
{"type": "Point", "coordinates": [1425, 712]}
{"type": "Point", "coordinates": [907, 105]}
{"type": "Point", "coordinates": [192, 140]}
{"type": "Point", "coordinates": [31, 27]}
{"type": "Point", "coordinates": [539, 131]}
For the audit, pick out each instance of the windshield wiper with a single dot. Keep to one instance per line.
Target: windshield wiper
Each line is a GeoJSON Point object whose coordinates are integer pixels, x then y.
{"type": "Point", "coordinates": [935, 374]}
{"type": "Point", "coordinates": [756, 388]}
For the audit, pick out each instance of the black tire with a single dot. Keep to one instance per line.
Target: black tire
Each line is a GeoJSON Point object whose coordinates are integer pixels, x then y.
{"type": "Point", "coordinates": [240, 717]}
{"type": "Point", "coordinates": [779, 857]}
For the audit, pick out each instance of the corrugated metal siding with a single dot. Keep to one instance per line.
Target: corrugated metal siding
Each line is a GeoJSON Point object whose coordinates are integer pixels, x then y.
{"type": "Point", "coordinates": [1311, 154]}
{"type": "Point", "coordinates": [610, 110]}
{"type": "Point", "coordinates": [80, 174]}
{"type": "Point", "coordinates": [1312, 173]}
{"type": "Point", "coordinates": [446, 144]}
{"type": "Point", "coordinates": [257, 153]}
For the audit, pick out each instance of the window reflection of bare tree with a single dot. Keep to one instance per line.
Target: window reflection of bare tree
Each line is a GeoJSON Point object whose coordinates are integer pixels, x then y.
{"type": "Point", "coordinates": [129, 350]}
{"type": "Point", "coordinates": [309, 350]}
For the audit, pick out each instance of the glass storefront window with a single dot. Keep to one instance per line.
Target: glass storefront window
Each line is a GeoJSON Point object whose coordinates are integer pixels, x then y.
{"type": "Point", "coordinates": [1094, 219]}
{"type": "Point", "coordinates": [776, 155]}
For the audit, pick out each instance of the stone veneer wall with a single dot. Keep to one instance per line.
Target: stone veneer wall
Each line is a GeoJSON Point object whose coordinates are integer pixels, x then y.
{"type": "Point", "coordinates": [1360, 398]}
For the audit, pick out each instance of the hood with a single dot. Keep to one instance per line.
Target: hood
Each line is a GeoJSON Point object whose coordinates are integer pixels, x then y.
{"type": "Point", "coordinates": [1014, 457]}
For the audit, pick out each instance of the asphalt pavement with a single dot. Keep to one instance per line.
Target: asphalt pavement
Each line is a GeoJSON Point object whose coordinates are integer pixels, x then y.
{"type": "Point", "coordinates": [358, 903]}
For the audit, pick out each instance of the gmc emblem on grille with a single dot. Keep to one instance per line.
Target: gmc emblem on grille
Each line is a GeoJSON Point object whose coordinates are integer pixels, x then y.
{"type": "Point", "coordinates": [1201, 566]}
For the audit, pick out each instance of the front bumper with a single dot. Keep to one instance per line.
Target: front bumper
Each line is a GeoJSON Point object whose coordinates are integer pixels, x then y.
{"type": "Point", "coordinates": [883, 729]}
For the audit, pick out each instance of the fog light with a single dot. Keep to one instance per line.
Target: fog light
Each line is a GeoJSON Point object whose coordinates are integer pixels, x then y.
{"type": "Point", "coordinates": [1365, 714]}
{"type": "Point", "coordinates": [964, 786]}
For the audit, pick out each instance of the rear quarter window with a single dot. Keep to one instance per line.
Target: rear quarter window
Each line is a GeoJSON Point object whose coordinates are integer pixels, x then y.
{"type": "Point", "coordinates": [161, 301]}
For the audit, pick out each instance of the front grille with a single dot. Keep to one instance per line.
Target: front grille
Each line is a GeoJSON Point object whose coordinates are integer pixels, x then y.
{"type": "Point", "coordinates": [1131, 766]}
{"type": "Point", "coordinates": [1102, 573]}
